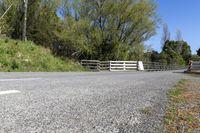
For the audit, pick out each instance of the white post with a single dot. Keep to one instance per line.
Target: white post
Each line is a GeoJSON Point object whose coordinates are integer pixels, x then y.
{"type": "Point", "coordinates": [140, 66]}
{"type": "Point", "coordinates": [124, 65]}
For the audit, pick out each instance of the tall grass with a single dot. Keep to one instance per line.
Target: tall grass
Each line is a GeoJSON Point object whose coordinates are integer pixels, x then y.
{"type": "Point", "coordinates": [17, 56]}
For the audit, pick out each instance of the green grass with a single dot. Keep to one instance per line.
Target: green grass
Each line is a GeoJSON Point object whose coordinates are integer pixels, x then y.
{"type": "Point", "coordinates": [17, 56]}
{"type": "Point", "coordinates": [175, 93]}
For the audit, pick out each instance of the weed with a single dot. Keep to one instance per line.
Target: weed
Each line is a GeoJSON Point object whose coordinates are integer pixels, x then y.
{"type": "Point", "coordinates": [147, 110]}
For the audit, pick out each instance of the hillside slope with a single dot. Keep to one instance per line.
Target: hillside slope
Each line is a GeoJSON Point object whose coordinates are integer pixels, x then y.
{"type": "Point", "coordinates": [17, 56]}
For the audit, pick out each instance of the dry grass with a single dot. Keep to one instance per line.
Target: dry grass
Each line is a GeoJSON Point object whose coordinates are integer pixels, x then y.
{"type": "Point", "coordinates": [183, 113]}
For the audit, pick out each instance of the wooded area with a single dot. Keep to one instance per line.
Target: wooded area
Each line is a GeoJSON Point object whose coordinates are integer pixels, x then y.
{"type": "Point", "coordinates": [92, 29]}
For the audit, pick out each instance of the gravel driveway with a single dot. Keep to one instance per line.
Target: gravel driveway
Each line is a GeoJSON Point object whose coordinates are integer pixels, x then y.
{"type": "Point", "coordinates": [103, 102]}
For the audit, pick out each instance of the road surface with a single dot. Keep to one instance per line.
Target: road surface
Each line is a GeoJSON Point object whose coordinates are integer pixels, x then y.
{"type": "Point", "coordinates": [104, 102]}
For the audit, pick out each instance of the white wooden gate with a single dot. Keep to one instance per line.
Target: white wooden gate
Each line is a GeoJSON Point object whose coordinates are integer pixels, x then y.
{"type": "Point", "coordinates": [123, 65]}
{"type": "Point", "coordinates": [112, 65]}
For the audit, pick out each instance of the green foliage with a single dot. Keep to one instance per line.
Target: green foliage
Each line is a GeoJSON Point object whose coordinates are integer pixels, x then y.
{"type": "Point", "coordinates": [98, 29]}
{"type": "Point", "coordinates": [195, 58]}
{"type": "Point", "coordinates": [42, 22]}
{"type": "Point", "coordinates": [155, 56]}
{"type": "Point", "coordinates": [198, 52]}
{"type": "Point", "coordinates": [108, 29]}
{"type": "Point", "coordinates": [136, 52]}
{"type": "Point", "coordinates": [176, 52]}
{"type": "Point", "coordinates": [19, 56]}
{"type": "Point", "coordinates": [91, 29]}
{"type": "Point", "coordinates": [8, 22]}
{"type": "Point", "coordinates": [173, 52]}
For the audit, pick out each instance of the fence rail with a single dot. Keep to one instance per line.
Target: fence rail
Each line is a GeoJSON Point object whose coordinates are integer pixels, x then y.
{"type": "Point", "coordinates": [91, 64]}
{"type": "Point", "coordinates": [157, 66]}
{"type": "Point", "coordinates": [127, 66]}
{"type": "Point", "coordinates": [110, 65]}
{"type": "Point", "coordinates": [194, 66]}
{"type": "Point", "coordinates": [104, 65]}
{"type": "Point", "coordinates": [123, 65]}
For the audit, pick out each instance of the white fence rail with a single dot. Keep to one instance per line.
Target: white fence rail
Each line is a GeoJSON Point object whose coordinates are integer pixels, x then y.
{"type": "Point", "coordinates": [123, 66]}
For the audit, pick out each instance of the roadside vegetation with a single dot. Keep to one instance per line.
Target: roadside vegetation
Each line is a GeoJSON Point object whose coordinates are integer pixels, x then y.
{"type": "Point", "coordinates": [97, 30]}
{"type": "Point", "coordinates": [183, 112]}
{"type": "Point", "coordinates": [17, 56]}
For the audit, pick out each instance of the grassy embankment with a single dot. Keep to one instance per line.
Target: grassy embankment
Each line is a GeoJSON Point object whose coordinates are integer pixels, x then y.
{"type": "Point", "coordinates": [183, 112]}
{"type": "Point", "coordinates": [17, 56]}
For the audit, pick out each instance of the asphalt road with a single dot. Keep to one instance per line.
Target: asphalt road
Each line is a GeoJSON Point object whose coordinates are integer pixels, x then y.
{"type": "Point", "coordinates": [84, 102]}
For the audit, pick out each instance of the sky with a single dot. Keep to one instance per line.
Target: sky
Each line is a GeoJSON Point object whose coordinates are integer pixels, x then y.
{"type": "Point", "coordinates": [179, 14]}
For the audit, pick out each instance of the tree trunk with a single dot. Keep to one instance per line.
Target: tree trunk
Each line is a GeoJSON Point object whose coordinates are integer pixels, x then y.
{"type": "Point", "coordinates": [24, 38]}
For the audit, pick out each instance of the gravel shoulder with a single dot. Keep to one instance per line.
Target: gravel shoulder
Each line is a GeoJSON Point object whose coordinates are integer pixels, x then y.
{"type": "Point", "coordinates": [85, 102]}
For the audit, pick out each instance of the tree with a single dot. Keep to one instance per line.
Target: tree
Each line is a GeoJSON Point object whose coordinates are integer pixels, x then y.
{"type": "Point", "coordinates": [9, 13]}
{"type": "Point", "coordinates": [155, 56]}
{"type": "Point", "coordinates": [195, 58]}
{"type": "Point", "coordinates": [6, 11]}
{"type": "Point", "coordinates": [172, 54]}
{"type": "Point", "coordinates": [97, 29]}
{"type": "Point", "coordinates": [32, 19]}
{"type": "Point", "coordinates": [186, 52]}
{"type": "Point", "coordinates": [179, 35]}
{"type": "Point", "coordinates": [113, 26]}
{"type": "Point", "coordinates": [24, 38]}
{"type": "Point", "coordinates": [165, 35]}
{"type": "Point", "coordinates": [198, 52]}
{"type": "Point", "coordinates": [3, 25]}
{"type": "Point", "coordinates": [42, 22]}
{"type": "Point", "coordinates": [179, 38]}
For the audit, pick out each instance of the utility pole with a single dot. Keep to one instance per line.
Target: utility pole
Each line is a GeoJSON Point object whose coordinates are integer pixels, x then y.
{"type": "Point", "coordinates": [24, 38]}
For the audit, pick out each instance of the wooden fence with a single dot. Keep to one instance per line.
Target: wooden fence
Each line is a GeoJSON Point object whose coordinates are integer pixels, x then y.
{"type": "Point", "coordinates": [157, 66]}
{"type": "Point", "coordinates": [97, 65]}
{"type": "Point", "coordinates": [104, 65]}
{"type": "Point", "coordinates": [110, 65]}
{"type": "Point", "coordinates": [91, 64]}
{"type": "Point", "coordinates": [194, 66]}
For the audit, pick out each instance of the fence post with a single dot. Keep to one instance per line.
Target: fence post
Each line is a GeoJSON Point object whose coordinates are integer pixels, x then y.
{"type": "Point", "coordinates": [124, 65]}
{"type": "Point", "coordinates": [98, 66]}
{"type": "Point", "coordinates": [190, 66]}
{"type": "Point", "coordinates": [81, 62]}
{"type": "Point", "coordinates": [140, 66]}
{"type": "Point", "coordinates": [110, 66]}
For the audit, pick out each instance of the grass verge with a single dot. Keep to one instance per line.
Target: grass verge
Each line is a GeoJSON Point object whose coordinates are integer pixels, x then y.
{"type": "Point", "coordinates": [183, 113]}
{"type": "Point", "coordinates": [17, 56]}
